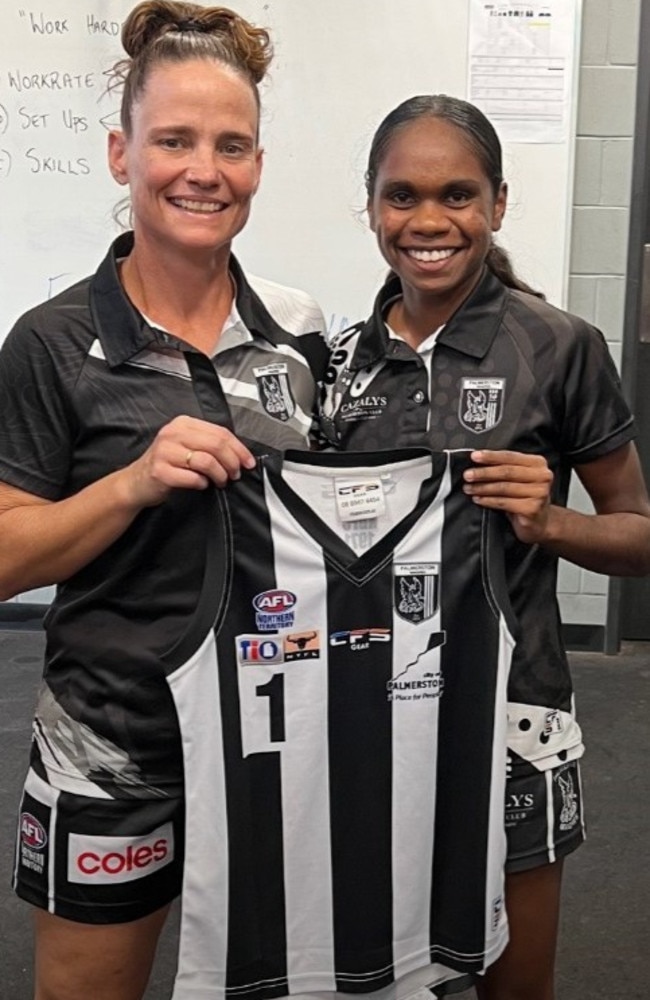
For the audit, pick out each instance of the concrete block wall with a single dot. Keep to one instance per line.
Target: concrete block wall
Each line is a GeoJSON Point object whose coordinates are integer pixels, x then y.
{"type": "Point", "coordinates": [603, 172]}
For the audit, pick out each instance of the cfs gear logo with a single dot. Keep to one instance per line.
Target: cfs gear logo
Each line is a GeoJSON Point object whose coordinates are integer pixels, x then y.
{"type": "Point", "coordinates": [112, 860]}
{"type": "Point", "coordinates": [416, 589]}
{"type": "Point", "coordinates": [274, 610]}
{"type": "Point", "coordinates": [360, 638]}
{"type": "Point", "coordinates": [481, 403]}
{"type": "Point", "coordinates": [274, 391]}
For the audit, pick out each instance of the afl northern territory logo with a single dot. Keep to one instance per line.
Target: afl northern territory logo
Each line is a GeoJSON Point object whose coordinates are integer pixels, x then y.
{"type": "Point", "coordinates": [481, 403]}
{"type": "Point", "coordinates": [416, 590]}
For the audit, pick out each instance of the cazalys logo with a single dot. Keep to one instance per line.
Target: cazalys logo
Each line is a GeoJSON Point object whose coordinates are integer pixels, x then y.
{"type": "Point", "coordinates": [365, 408]}
{"type": "Point", "coordinates": [32, 833]}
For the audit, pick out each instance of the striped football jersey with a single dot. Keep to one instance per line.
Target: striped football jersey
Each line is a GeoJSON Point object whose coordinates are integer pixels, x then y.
{"type": "Point", "coordinates": [342, 704]}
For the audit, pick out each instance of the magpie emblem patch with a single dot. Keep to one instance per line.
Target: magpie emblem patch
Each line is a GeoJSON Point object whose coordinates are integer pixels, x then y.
{"type": "Point", "coordinates": [416, 590]}
{"type": "Point", "coordinates": [481, 403]}
{"type": "Point", "coordinates": [275, 391]}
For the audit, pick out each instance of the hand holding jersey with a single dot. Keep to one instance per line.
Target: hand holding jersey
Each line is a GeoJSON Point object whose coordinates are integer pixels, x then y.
{"type": "Point", "coordinates": [459, 353]}
{"type": "Point", "coordinates": [186, 453]}
{"type": "Point", "coordinates": [104, 460]}
{"type": "Point", "coordinates": [519, 485]}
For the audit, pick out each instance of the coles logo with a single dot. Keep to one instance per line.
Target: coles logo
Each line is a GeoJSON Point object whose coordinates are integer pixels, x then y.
{"type": "Point", "coordinates": [109, 860]}
{"type": "Point", "coordinates": [32, 833]}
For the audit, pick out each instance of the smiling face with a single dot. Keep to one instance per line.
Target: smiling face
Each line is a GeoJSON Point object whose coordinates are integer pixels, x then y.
{"type": "Point", "coordinates": [433, 211]}
{"type": "Point", "coordinates": [192, 161]}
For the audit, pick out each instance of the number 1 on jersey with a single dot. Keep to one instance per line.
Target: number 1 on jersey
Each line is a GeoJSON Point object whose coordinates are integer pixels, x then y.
{"type": "Point", "coordinates": [274, 691]}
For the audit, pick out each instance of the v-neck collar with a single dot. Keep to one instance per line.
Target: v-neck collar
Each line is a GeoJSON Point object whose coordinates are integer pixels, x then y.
{"type": "Point", "coordinates": [357, 569]}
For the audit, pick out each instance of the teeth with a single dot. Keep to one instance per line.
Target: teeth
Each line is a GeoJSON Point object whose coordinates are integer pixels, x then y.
{"type": "Point", "coordinates": [198, 206]}
{"type": "Point", "coordinates": [429, 256]}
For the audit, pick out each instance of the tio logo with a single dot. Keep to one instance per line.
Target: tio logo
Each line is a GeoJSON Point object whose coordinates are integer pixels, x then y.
{"type": "Point", "coordinates": [258, 649]}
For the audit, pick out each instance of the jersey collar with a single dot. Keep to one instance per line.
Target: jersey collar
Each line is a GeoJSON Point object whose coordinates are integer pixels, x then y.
{"type": "Point", "coordinates": [122, 330]}
{"type": "Point", "coordinates": [470, 330]}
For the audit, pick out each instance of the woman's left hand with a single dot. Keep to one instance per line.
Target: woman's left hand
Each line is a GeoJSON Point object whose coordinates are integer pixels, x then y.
{"type": "Point", "coordinates": [517, 484]}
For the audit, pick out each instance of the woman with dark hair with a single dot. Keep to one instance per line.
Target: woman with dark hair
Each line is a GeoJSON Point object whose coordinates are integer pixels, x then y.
{"type": "Point", "coordinates": [123, 399]}
{"type": "Point", "coordinates": [460, 354]}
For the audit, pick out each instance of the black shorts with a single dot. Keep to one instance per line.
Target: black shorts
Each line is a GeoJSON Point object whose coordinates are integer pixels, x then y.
{"type": "Point", "coordinates": [544, 814]}
{"type": "Point", "coordinates": [97, 860]}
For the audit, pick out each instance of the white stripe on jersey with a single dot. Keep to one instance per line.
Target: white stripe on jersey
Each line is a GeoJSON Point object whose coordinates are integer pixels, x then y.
{"type": "Point", "coordinates": [305, 772]}
{"type": "Point", "coordinates": [169, 363]}
{"type": "Point", "coordinates": [550, 816]}
{"type": "Point", "coordinates": [158, 361]}
{"type": "Point", "coordinates": [205, 879]}
{"type": "Point", "coordinates": [582, 812]}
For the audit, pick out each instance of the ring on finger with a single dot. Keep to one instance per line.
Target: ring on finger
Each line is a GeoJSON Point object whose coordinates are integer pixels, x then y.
{"type": "Point", "coordinates": [188, 459]}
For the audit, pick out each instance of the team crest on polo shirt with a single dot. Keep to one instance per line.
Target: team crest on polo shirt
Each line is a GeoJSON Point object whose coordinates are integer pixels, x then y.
{"type": "Point", "coordinates": [274, 391]}
{"type": "Point", "coordinates": [416, 588]}
{"type": "Point", "coordinates": [481, 403]}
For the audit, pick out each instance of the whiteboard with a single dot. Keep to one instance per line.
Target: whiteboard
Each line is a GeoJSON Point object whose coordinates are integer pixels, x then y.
{"type": "Point", "coordinates": [340, 66]}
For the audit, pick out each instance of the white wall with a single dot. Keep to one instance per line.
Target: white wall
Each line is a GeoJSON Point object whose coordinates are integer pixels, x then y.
{"type": "Point", "coordinates": [339, 68]}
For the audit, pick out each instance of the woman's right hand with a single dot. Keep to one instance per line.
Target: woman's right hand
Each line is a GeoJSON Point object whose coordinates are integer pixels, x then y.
{"type": "Point", "coordinates": [185, 454]}
{"type": "Point", "coordinates": [44, 541]}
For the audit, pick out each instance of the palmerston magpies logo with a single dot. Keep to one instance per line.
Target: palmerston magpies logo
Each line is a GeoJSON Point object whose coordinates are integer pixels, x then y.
{"type": "Point", "coordinates": [416, 590]}
{"type": "Point", "coordinates": [481, 403]}
{"type": "Point", "coordinates": [275, 391]}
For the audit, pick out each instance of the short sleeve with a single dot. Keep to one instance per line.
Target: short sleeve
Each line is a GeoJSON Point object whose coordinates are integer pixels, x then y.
{"type": "Point", "coordinates": [597, 417]}
{"type": "Point", "coordinates": [35, 425]}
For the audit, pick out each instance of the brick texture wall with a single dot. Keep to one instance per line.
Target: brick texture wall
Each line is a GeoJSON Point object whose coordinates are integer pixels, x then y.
{"type": "Point", "coordinates": [603, 170]}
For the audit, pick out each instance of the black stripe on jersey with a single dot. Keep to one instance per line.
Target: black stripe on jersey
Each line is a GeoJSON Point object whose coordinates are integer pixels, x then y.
{"type": "Point", "coordinates": [215, 589]}
{"type": "Point", "coordinates": [465, 742]}
{"type": "Point", "coordinates": [316, 352]}
{"type": "Point", "coordinates": [360, 755]}
{"type": "Point", "coordinates": [208, 389]}
{"type": "Point", "coordinates": [257, 944]}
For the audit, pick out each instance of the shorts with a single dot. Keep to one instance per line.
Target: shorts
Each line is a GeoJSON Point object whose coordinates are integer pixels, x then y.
{"type": "Point", "coordinates": [97, 860]}
{"type": "Point", "coordinates": [544, 814]}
